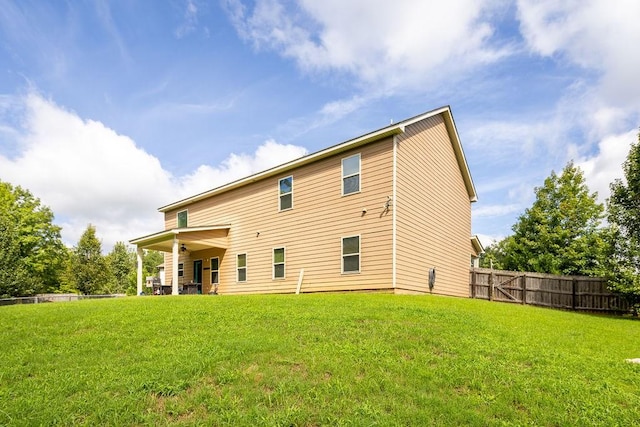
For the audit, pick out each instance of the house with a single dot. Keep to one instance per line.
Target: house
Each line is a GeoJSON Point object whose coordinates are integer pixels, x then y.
{"type": "Point", "coordinates": [386, 211]}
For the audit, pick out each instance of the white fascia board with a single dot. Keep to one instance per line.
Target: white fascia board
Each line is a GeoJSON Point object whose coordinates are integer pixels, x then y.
{"type": "Point", "coordinates": [462, 159]}
{"type": "Point", "coordinates": [477, 244]}
{"type": "Point", "coordinates": [151, 238]}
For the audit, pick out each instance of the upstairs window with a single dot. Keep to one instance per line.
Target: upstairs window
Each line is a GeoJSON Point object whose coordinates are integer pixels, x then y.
{"type": "Point", "coordinates": [241, 267]}
{"type": "Point", "coordinates": [182, 219]}
{"type": "Point", "coordinates": [285, 186]}
{"type": "Point", "coordinates": [351, 175]}
{"type": "Point", "coordinates": [278, 263]}
{"type": "Point", "coordinates": [351, 254]}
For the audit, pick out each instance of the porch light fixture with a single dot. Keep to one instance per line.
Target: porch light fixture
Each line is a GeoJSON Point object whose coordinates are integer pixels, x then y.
{"type": "Point", "coordinates": [183, 248]}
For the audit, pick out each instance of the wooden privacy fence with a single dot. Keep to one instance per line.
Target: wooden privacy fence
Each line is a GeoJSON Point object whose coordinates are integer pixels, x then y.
{"type": "Point", "coordinates": [567, 292]}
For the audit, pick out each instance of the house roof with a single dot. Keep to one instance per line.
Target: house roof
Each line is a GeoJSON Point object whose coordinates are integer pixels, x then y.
{"type": "Point", "coordinates": [476, 245]}
{"type": "Point", "coordinates": [393, 129]}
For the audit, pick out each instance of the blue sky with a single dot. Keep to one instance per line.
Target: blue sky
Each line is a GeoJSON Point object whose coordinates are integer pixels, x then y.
{"type": "Point", "coordinates": [109, 110]}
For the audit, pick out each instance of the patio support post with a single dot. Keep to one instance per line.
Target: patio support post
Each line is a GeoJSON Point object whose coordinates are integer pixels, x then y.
{"type": "Point", "coordinates": [140, 253]}
{"type": "Point", "coordinates": [174, 270]}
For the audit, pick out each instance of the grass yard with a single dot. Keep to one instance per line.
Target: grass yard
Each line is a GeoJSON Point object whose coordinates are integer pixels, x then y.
{"type": "Point", "coordinates": [309, 360]}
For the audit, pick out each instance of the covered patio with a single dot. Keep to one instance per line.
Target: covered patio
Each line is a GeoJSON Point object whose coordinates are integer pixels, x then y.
{"type": "Point", "coordinates": [177, 240]}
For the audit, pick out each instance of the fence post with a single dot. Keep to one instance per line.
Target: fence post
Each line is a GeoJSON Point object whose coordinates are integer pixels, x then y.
{"type": "Point", "coordinates": [573, 293]}
{"type": "Point", "coordinates": [524, 288]}
{"type": "Point", "coordinates": [473, 283]}
{"type": "Point", "coordinates": [491, 286]}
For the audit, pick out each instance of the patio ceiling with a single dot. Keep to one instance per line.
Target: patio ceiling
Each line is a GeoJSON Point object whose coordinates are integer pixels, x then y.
{"type": "Point", "coordinates": [193, 238]}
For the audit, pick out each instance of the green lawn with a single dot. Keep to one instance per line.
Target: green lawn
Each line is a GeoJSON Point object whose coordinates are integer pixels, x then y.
{"type": "Point", "coordinates": [308, 360]}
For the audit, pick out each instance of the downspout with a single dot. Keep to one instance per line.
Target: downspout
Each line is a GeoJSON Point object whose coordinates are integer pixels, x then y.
{"type": "Point", "coordinates": [393, 212]}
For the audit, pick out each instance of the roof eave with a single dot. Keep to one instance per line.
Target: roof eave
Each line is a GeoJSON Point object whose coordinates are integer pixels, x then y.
{"type": "Point", "coordinates": [390, 130]}
{"type": "Point", "coordinates": [459, 152]}
{"type": "Point", "coordinates": [477, 245]}
{"type": "Point", "coordinates": [162, 235]}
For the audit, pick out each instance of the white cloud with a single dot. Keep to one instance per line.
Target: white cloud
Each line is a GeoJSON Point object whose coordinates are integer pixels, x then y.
{"type": "Point", "coordinates": [602, 120]}
{"type": "Point", "coordinates": [593, 34]}
{"type": "Point", "coordinates": [103, 10]}
{"type": "Point", "coordinates": [493, 211]}
{"type": "Point", "coordinates": [335, 110]}
{"type": "Point", "coordinates": [76, 162]}
{"type": "Point", "coordinates": [581, 127]}
{"type": "Point", "coordinates": [488, 240]}
{"type": "Point", "coordinates": [387, 45]}
{"type": "Point", "coordinates": [88, 173]}
{"type": "Point", "coordinates": [518, 142]}
{"type": "Point", "coordinates": [606, 166]}
{"type": "Point", "coordinates": [190, 21]}
{"type": "Point", "coordinates": [237, 166]}
{"type": "Point", "coordinates": [326, 115]}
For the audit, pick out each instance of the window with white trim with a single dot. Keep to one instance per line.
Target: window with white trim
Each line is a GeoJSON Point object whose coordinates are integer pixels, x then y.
{"type": "Point", "coordinates": [285, 188]}
{"type": "Point", "coordinates": [241, 267]}
{"type": "Point", "coordinates": [215, 271]}
{"type": "Point", "coordinates": [351, 254]}
{"type": "Point", "coordinates": [351, 175]}
{"type": "Point", "coordinates": [278, 263]}
{"type": "Point", "coordinates": [182, 219]}
{"type": "Point", "coordinates": [181, 269]}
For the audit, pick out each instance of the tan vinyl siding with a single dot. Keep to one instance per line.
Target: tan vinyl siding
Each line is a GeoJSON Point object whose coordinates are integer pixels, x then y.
{"type": "Point", "coordinates": [216, 238]}
{"type": "Point", "coordinates": [311, 232]}
{"type": "Point", "coordinates": [433, 211]}
{"type": "Point", "coordinates": [187, 259]}
{"type": "Point", "coordinates": [431, 216]}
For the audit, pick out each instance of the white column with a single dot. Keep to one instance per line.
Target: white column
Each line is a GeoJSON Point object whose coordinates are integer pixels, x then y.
{"type": "Point", "coordinates": [140, 255]}
{"type": "Point", "coordinates": [174, 271]}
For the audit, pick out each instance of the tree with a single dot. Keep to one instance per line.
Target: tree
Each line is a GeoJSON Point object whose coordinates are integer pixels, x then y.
{"type": "Point", "coordinates": [122, 268]}
{"type": "Point", "coordinates": [14, 278]}
{"type": "Point", "coordinates": [560, 233]}
{"type": "Point", "coordinates": [87, 269]}
{"type": "Point", "coordinates": [150, 262]}
{"type": "Point", "coordinates": [31, 250]}
{"type": "Point", "coordinates": [494, 255]}
{"type": "Point", "coordinates": [624, 219]}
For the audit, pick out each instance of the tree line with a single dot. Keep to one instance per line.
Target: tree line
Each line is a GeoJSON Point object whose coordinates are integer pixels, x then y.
{"type": "Point", "coordinates": [34, 260]}
{"type": "Point", "coordinates": [566, 231]}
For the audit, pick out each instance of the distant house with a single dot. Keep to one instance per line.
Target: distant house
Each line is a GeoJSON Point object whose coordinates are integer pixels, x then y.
{"type": "Point", "coordinates": [386, 211]}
